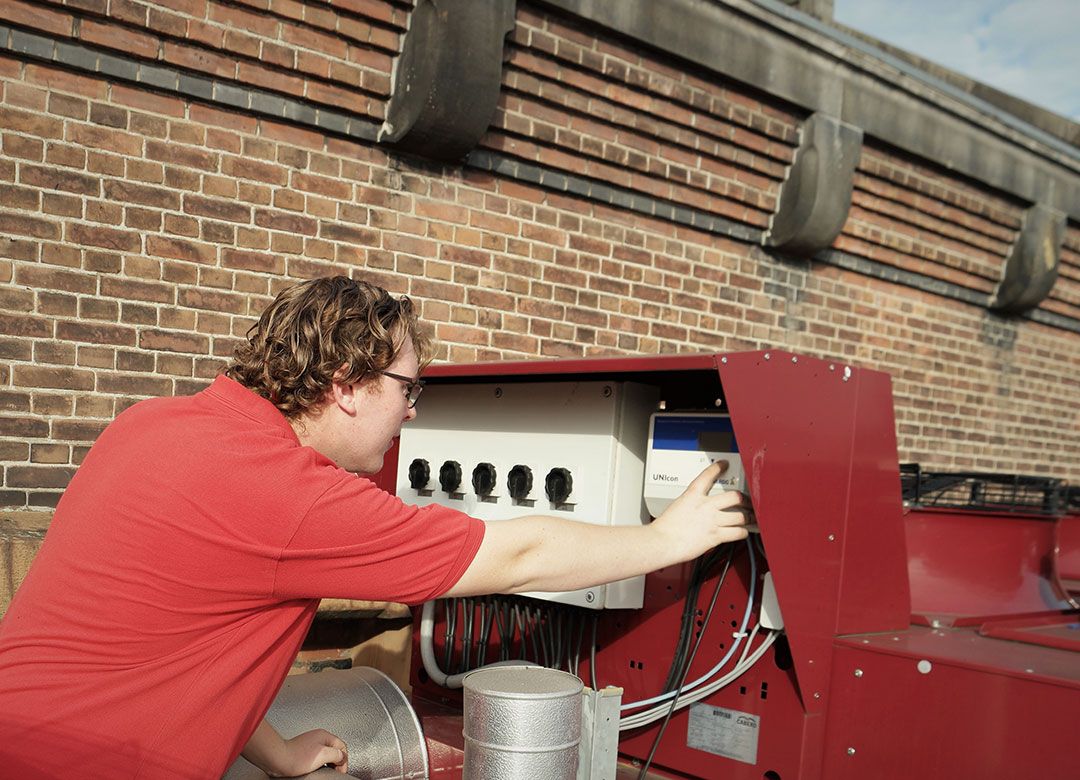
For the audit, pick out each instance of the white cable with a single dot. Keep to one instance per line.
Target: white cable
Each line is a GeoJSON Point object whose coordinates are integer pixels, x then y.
{"type": "Point", "coordinates": [727, 656]}
{"type": "Point", "coordinates": [427, 653]}
{"type": "Point", "coordinates": [660, 710]}
{"type": "Point", "coordinates": [656, 713]}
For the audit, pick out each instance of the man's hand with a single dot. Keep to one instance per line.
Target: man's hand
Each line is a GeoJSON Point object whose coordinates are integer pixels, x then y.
{"type": "Point", "coordinates": [297, 756]}
{"type": "Point", "coordinates": [697, 522]}
{"type": "Point", "coordinates": [313, 749]}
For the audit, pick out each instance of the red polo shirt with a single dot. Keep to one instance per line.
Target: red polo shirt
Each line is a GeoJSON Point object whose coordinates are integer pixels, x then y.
{"type": "Point", "coordinates": [178, 579]}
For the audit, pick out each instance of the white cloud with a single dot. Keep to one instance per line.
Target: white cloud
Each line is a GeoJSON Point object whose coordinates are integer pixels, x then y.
{"type": "Point", "coordinates": [1027, 48]}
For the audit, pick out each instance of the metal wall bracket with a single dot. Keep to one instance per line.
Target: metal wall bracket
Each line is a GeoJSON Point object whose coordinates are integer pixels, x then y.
{"type": "Point", "coordinates": [1032, 266]}
{"type": "Point", "coordinates": [599, 747]}
{"type": "Point", "coordinates": [816, 197]}
{"type": "Point", "coordinates": [447, 79]}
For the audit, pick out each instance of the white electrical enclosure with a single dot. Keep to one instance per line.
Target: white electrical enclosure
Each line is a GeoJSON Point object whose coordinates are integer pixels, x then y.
{"type": "Point", "coordinates": [681, 445]}
{"type": "Point", "coordinates": [594, 432]}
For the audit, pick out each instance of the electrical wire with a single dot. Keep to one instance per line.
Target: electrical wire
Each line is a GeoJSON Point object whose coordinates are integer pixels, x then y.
{"type": "Point", "coordinates": [682, 644]}
{"type": "Point", "coordinates": [727, 656]}
{"type": "Point", "coordinates": [746, 662]}
{"type": "Point", "coordinates": [469, 608]}
{"type": "Point", "coordinates": [487, 616]}
{"type": "Point", "coordinates": [686, 668]}
{"type": "Point", "coordinates": [592, 655]}
{"type": "Point", "coordinates": [427, 653]}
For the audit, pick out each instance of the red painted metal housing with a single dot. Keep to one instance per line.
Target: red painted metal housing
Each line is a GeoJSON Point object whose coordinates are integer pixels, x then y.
{"type": "Point", "coordinates": [931, 644]}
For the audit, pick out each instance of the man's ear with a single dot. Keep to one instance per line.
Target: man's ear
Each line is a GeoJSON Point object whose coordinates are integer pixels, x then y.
{"type": "Point", "coordinates": [344, 396]}
{"type": "Point", "coordinates": [340, 394]}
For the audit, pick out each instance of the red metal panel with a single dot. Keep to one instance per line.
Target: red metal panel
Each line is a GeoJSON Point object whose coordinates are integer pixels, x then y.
{"type": "Point", "coordinates": [1060, 631]}
{"type": "Point", "coordinates": [591, 366]}
{"type": "Point", "coordinates": [1065, 567]}
{"type": "Point", "coordinates": [969, 565]}
{"type": "Point", "coordinates": [874, 593]}
{"type": "Point", "coordinates": [951, 704]}
{"type": "Point", "coordinates": [796, 423]}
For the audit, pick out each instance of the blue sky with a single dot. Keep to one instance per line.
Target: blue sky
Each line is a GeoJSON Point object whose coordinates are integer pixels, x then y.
{"type": "Point", "coordinates": [1028, 48]}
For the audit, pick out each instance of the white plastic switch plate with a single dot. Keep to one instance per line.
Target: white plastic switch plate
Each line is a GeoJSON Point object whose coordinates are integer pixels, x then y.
{"type": "Point", "coordinates": [596, 430]}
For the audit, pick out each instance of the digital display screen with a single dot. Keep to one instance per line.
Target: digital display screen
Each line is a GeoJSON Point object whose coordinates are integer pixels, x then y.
{"type": "Point", "coordinates": [716, 441]}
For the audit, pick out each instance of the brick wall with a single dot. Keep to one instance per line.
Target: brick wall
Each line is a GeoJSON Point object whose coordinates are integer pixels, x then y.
{"type": "Point", "coordinates": [141, 231]}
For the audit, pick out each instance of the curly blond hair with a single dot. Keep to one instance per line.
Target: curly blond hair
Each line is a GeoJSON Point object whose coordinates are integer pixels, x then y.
{"type": "Point", "coordinates": [319, 328]}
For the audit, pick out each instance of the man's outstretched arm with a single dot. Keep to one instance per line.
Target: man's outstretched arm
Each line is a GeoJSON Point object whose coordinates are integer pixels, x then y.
{"type": "Point", "coordinates": [541, 553]}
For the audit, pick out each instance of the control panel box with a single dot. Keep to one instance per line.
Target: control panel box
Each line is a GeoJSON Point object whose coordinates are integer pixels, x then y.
{"type": "Point", "coordinates": [568, 449]}
{"type": "Point", "coordinates": [681, 446]}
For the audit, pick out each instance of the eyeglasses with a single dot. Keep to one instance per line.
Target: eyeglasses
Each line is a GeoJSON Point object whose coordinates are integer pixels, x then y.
{"type": "Point", "coordinates": [413, 387]}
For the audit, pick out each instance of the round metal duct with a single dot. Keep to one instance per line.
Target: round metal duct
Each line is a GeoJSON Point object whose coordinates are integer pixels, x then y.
{"type": "Point", "coordinates": [362, 706]}
{"type": "Point", "coordinates": [521, 723]}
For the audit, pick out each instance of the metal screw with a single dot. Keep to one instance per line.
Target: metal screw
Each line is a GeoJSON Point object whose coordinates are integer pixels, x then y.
{"type": "Point", "coordinates": [589, 597]}
{"type": "Point", "coordinates": [817, 694]}
{"type": "Point", "coordinates": [858, 672]}
{"type": "Point", "coordinates": [794, 359]}
{"type": "Point", "coordinates": [607, 391]}
{"type": "Point", "coordinates": [832, 537]}
{"type": "Point", "coordinates": [767, 356]}
{"type": "Point", "coordinates": [498, 392]}
{"type": "Point", "coordinates": [851, 751]}
{"type": "Point", "coordinates": [832, 367]}
{"type": "Point", "coordinates": [847, 373]}
{"type": "Point", "coordinates": [723, 359]}
{"type": "Point", "coordinates": [924, 666]}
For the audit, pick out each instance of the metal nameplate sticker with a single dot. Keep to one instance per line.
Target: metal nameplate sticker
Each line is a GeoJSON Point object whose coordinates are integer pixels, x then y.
{"type": "Point", "coordinates": [724, 732]}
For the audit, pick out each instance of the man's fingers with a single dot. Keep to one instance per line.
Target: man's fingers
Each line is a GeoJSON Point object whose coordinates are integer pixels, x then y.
{"type": "Point", "coordinates": [730, 499]}
{"type": "Point", "coordinates": [336, 757]}
{"type": "Point", "coordinates": [704, 481]}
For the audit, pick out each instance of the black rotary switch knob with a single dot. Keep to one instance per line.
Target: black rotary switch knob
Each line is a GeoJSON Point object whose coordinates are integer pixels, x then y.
{"type": "Point", "coordinates": [558, 485]}
{"type": "Point", "coordinates": [419, 474]}
{"type": "Point", "coordinates": [450, 476]}
{"type": "Point", "coordinates": [519, 482]}
{"type": "Point", "coordinates": [483, 479]}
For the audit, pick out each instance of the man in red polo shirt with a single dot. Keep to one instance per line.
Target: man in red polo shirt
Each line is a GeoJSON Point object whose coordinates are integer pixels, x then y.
{"type": "Point", "coordinates": [186, 560]}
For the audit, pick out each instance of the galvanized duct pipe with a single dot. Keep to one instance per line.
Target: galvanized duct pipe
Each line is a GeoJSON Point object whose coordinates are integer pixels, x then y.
{"type": "Point", "coordinates": [521, 723]}
{"type": "Point", "coordinates": [362, 706]}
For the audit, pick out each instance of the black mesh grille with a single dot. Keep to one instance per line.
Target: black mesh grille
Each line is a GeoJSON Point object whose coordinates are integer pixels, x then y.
{"type": "Point", "coordinates": [976, 491]}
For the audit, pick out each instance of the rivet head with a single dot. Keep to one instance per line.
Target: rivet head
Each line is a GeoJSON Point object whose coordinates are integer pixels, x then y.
{"type": "Point", "coordinates": [794, 359]}
{"type": "Point", "coordinates": [858, 672]}
{"type": "Point", "coordinates": [817, 694]}
{"type": "Point", "coordinates": [723, 359]}
{"type": "Point", "coordinates": [851, 751]}
{"type": "Point", "coordinates": [768, 356]}
{"type": "Point", "coordinates": [924, 666]}
{"type": "Point", "coordinates": [832, 537]}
